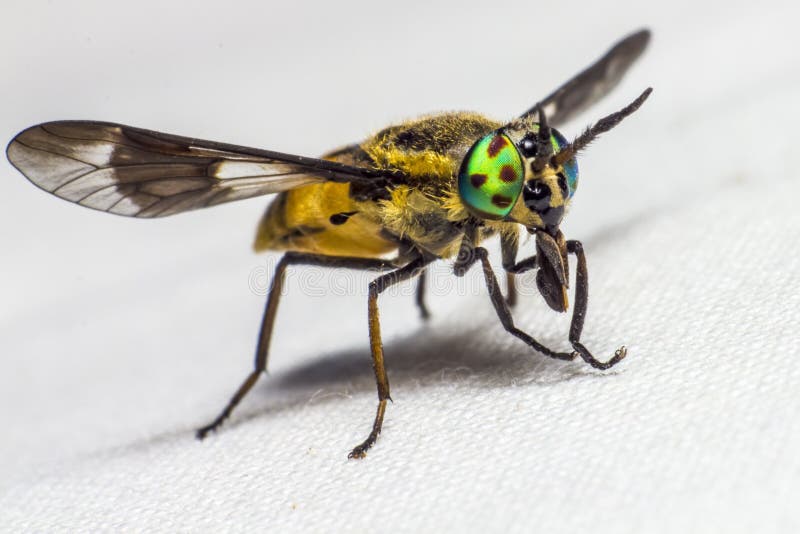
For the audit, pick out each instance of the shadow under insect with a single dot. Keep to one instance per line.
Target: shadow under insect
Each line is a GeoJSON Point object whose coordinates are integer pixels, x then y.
{"type": "Point", "coordinates": [426, 358]}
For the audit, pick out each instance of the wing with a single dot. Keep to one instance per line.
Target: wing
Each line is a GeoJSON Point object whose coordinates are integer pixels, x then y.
{"type": "Point", "coordinates": [141, 173]}
{"type": "Point", "coordinates": [593, 83]}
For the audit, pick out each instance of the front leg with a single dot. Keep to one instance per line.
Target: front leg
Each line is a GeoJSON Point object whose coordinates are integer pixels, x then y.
{"type": "Point", "coordinates": [509, 245]}
{"type": "Point", "coordinates": [501, 306]}
{"type": "Point", "coordinates": [579, 313]}
{"type": "Point", "coordinates": [466, 251]}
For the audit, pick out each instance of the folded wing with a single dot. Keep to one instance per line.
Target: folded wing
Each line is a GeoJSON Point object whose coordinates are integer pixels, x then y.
{"type": "Point", "coordinates": [593, 83]}
{"type": "Point", "coordinates": [141, 173]}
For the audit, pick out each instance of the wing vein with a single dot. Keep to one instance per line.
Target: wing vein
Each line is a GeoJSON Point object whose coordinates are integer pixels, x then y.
{"type": "Point", "coordinates": [16, 140]}
{"type": "Point", "coordinates": [142, 173]}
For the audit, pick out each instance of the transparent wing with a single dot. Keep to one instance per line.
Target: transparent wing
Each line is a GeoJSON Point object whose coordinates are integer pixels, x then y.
{"type": "Point", "coordinates": [593, 83]}
{"type": "Point", "coordinates": [141, 173]}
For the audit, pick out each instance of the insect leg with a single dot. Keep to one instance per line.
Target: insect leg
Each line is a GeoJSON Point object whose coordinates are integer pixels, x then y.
{"type": "Point", "coordinates": [504, 313]}
{"type": "Point", "coordinates": [376, 287]}
{"type": "Point", "coordinates": [468, 254]}
{"type": "Point", "coordinates": [509, 245]}
{"type": "Point", "coordinates": [511, 283]}
{"type": "Point", "coordinates": [579, 312]}
{"type": "Point", "coordinates": [466, 251]}
{"type": "Point", "coordinates": [420, 296]}
{"type": "Point", "coordinates": [513, 268]}
{"type": "Point", "coordinates": [508, 248]}
{"type": "Point", "coordinates": [271, 309]}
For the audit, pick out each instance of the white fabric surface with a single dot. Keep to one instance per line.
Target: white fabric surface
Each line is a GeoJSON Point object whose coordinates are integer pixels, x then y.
{"type": "Point", "coordinates": [119, 337]}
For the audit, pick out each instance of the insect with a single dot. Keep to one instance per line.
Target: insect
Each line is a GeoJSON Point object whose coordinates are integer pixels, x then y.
{"type": "Point", "coordinates": [425, 190]}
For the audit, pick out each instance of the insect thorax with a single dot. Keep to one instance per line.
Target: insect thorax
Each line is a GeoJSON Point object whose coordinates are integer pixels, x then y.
{"type": "Point", "coordinates": [426, 211]}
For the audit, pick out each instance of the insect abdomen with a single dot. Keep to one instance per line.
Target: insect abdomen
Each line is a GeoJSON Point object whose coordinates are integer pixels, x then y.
{"type": "Point", "coordinates": [321, 219]}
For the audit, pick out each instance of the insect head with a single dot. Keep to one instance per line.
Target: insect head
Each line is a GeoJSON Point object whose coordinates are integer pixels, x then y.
{"type": "Point", "coordinates": [526, 172]}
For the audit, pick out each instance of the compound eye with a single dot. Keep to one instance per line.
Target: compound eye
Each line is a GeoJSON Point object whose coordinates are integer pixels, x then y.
{"type": "Point", "coordinates": [570, 168]}
{"type": "Point", "coordinates": [491, 177]}
{"type": "Point", "coordinates": [528, 146]}
{"type": "Point", "coordinates": [562, 184]}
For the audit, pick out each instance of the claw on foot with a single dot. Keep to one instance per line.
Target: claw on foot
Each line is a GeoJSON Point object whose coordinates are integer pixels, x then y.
{"type": "Point", "coordinates": [204, 431]}
{"type": "Point", "coordinates": [581, 351]}
{"type": "Point", "coordinates": [619, 354]}
{"type": "Point", "coordinates": [358, 453]}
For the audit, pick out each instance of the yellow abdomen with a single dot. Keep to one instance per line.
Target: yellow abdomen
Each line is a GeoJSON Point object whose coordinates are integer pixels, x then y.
{"type": "Point", "coordinates": [300, 220]}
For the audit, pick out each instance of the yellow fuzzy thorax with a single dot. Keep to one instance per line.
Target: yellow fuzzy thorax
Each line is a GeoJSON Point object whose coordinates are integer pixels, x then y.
{"type": "Point", "coordinates": [414, 163]}
{"type": "Point", "coordinates": [425, 147]}
{"type": "Point", "coordinates": [454, 206]}
{"type": "Point", "coordinates": [401, 211]}
{"type": "Point", "coordinates": [426, 211]}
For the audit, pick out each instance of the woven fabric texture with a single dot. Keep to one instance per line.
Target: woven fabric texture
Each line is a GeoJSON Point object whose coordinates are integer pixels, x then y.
{"type": "Point", "coordinates": [119, 337]}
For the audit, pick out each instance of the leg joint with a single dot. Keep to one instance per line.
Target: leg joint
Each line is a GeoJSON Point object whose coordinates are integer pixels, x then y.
{"type": "Point", "coordinates": [373, 288]}
{"type": "Point", "coordinates": [575, 247]}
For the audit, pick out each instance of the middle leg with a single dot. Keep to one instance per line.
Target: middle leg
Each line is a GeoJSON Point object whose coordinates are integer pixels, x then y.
{"type": "Point", "coordinates": [376, 287]}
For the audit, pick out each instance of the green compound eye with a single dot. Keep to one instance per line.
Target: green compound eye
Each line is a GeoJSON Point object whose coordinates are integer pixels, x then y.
{"type": "Point", "coordinates": [491, 177]}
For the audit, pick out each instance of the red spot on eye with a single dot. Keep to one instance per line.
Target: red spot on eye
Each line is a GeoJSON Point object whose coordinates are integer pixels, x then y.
{"type": "Point", "coordinates": [501, 201]}
{"type": "Point", "coordinates": [497, 144]}
{"type": "Point", "coordinates": [508, 174]}
{"type": "Point", "coordinates": [477, 180]}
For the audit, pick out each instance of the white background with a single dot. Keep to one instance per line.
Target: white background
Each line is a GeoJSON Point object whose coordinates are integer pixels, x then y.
{"type": "Point", "coordinates": [118, 337]}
